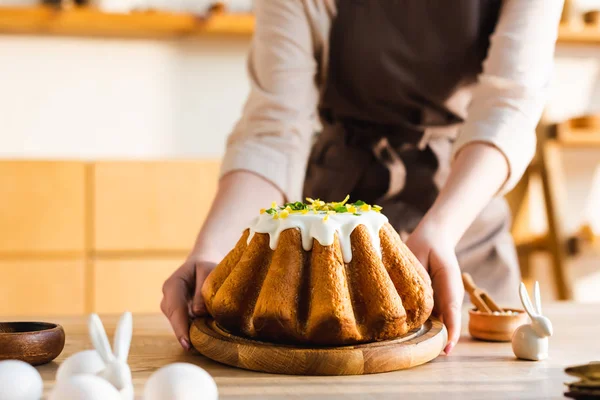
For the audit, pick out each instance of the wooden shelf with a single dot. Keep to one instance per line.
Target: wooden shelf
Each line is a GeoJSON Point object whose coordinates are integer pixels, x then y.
{"type": "Point", "coordinates": [578, 35]}
{"type": "Point", "coordinates": [581, 138]}
{"type": "Point", "coordinates": [579, 132]}
{"type": "Point", "coordinates": [91, 22]}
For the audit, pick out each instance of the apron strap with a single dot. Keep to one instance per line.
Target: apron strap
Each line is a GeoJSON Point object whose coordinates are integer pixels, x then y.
{"type": "Point", "coordinates": [387, 155]}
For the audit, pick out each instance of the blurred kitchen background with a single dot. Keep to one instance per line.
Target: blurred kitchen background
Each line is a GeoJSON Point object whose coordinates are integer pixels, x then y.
{"type": "Point", "coordinates": [113, 118]}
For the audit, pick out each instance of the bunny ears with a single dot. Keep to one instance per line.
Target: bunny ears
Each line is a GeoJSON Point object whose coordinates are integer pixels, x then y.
{"type": "Point", "coordinates": [122, 340]}
{"type": "Point", "coordinates": [531, 310]}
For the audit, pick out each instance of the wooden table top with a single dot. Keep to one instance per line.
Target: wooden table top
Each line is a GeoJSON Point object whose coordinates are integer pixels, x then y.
{"type": "Point", "coordinates": [475, 370]}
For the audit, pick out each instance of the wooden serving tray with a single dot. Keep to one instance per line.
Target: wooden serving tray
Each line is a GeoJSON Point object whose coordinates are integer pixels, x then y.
{"type": "Point", "coordinates": [415, 348]}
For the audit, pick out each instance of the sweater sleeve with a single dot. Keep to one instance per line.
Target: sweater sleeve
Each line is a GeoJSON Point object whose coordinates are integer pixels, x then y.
{"type": "Point", "coordinates": [509, 97]}
{"type": "Point", "coordinates": [273, 136]}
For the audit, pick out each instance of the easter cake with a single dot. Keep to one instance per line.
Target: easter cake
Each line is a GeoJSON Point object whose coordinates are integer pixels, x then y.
{"type": "Point", "coordinates": [320, 274]}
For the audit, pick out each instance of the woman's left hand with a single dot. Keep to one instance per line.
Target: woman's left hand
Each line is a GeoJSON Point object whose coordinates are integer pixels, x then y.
{"type": "Point", "coordinates": [438, 256]}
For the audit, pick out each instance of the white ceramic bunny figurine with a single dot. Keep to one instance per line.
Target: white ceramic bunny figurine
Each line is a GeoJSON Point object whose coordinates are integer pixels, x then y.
{"type": "Point", "coordinates": [117, 372]}
{"type": "Point", "coordinates": [530, 341]}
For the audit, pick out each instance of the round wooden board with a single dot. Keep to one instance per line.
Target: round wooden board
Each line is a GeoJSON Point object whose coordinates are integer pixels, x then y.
{"type": "Point", "coordinates": [415, 348]}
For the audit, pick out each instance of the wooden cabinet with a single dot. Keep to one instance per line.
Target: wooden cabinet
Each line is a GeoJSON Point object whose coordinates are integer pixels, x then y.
{"type": "Point", "coordinates": [130, 284]}
{"type": "Point", "coordinates": [48, 287]}
{"type": "Point", "coordinates": [151, 205]}
{"type": "Point", "coordinates": [81, 237]}
{"type": "Point", "coordinates": [42, 207]}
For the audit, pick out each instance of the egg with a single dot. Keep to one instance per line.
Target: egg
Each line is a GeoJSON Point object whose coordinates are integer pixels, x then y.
{"type": "Point", "coordinates": [84, 387]}
{"type": "Point", "coordinates": [181, 381]}
{"type": "Point", "coordinates": [19, 381]}
{"type": "Point", "coordinates": [85, 362]}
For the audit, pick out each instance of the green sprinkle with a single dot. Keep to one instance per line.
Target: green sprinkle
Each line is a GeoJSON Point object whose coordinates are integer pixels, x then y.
{"type": "Point", "coordinates": [297, 206]}
{"type": "Point", "coordinates": [320, 207]}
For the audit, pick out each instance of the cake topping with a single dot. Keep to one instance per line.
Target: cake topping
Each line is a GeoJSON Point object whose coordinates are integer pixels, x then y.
{"type": "Point", "coordinates": [319, 207]}
{"type": "Point", "coordinates": [319, 220]}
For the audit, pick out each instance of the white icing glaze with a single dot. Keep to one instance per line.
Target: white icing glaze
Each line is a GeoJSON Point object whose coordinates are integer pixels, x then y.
{"type": "Point", "coordinates": [312, 226]}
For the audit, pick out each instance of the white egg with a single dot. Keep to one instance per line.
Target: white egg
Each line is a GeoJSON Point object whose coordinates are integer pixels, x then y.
{"type": "Point", "coordinates": [181, 381]}
{"type": "Point", "coordinates": [84, 387]}
{"type": "Point", "coordinates": [85, 362]}
{"type": "Point", "coordinates": [19, 381]}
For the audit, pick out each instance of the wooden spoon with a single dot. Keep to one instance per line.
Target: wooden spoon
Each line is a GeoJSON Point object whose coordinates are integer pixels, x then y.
{"type": "Point", "coordinates": [479, 297]}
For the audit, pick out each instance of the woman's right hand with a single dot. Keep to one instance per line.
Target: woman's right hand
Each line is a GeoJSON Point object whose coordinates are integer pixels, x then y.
{"type": "Point", "coordinates": [226, 220]}
{"type": "Point", "coordinates": [182, 297]}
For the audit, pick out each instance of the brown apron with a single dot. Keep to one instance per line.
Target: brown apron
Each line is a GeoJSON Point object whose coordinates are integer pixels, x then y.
{"type": "Point", "coordinates": [398, 85]}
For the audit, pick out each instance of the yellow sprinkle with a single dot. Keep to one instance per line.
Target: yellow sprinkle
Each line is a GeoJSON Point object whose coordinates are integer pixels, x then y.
{"type": "Point", "coordinates": [309, 200]}
{"type": "Point", "coordinates": [315, 212]}
{"type": "Point", "coordinates": [351, 209]}
{"type": "Point", "coordinates": [377, 208]}
{"type": "Point", "coordinates": [275, 216]}
{"type": "Point", "coordinates": [262, 211]}
{"type": "Point", "coordinates": [273, 205]}
{"type": "Point", "coordinates": [288, 208]}
{"type": "Point", "coordinates": [330, 212]}
{"type": "Point", "coordinates": [346, 199]}
{"type": "Point", "coordinates": [365, 207]}
{"type": "Point", "coordinates": [284, 214]}
{"type": "Point", "coordinates": [304, 211]}
{"type": "Point", "coordinates": [325, 218]}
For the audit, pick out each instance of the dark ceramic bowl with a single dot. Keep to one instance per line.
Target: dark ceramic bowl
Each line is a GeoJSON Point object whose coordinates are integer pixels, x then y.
{"type": "Point", "coordinates": [33, 342]}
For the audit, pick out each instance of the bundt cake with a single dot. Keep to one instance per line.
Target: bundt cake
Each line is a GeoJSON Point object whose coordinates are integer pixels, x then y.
{"type": "Point", "coordinates": [321, 274]}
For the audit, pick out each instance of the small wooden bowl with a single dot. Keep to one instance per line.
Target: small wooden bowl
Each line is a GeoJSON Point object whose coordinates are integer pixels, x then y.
{"type": "Point", "coordinates": [495, 328]}
{"type": "Point", "coordinates": [33, 342]}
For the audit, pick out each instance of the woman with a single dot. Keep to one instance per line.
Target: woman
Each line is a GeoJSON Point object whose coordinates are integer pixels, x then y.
{"type": "Point", "coordinates": [427, 108]}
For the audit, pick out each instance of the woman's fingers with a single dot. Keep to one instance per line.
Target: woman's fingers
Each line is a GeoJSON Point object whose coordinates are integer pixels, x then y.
{"type": "Point", "coordinates": [198, 306]}
{"type": "Point", "coordinates": [420, 249]}
{"type": "Point", "coordinates": [452, 319]}
{"type": "Point", "coordinates": [448, 291]}
{"type": "Point", "coordinates": [175, 306]}
{"type": "Point", "coordinates": [443, 269]}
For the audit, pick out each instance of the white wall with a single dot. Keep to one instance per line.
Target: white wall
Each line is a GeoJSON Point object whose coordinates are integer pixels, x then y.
{"type": "Point", "coordinates": [90, 98]}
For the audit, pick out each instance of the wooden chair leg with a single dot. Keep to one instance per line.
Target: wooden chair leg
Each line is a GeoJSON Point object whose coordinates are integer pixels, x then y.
{"type": "Point", "coordinates": [551, 172]}
{"type": "Point", "coordinates": [525, 265]}
{"type": "Point", "coordinates": [518, 201]}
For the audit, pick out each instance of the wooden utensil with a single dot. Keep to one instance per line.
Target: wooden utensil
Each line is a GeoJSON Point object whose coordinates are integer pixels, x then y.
{"type": "Point", "coordinates": [33, 342]}
{"type": "Point", "coordinates": [415, 348]}
{"type": "Point", "coordinates": [479, 297]}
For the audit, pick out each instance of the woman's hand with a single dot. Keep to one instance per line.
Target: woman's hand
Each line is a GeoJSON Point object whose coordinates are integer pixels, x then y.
{"type": "Point", "coordinates": [478, 172]}
{"type": "Point", "coordinates": [437, 255]}
{"type": "Point", "coordinates": [240, 194]}
{"type": "Point", "coordinates": [182, 297]}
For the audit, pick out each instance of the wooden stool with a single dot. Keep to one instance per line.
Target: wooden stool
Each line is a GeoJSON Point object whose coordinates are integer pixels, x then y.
{"type": "Point", "coordinates": [547, 164]}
